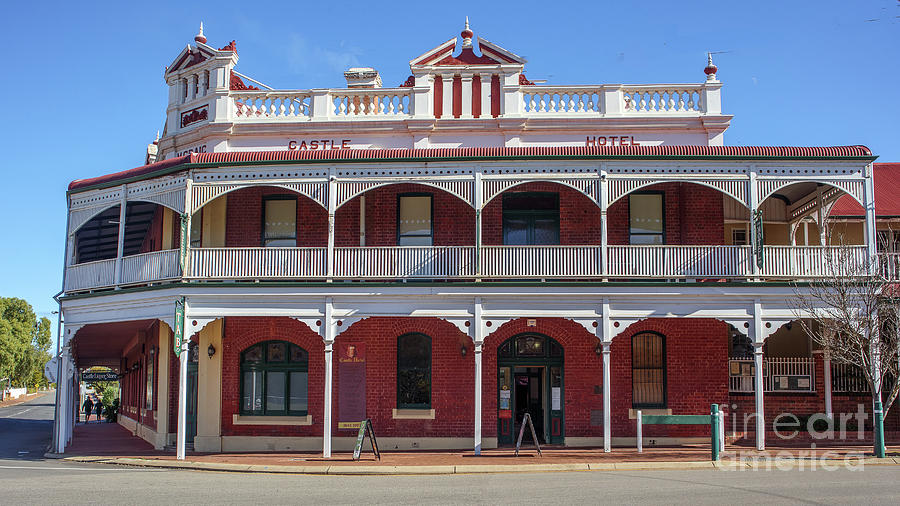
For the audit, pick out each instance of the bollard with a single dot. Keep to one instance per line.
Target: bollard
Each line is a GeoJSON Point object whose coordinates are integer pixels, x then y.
{"type": "Point", "coordinates": [640, 439]}
{"type": "Point", "coordinates": [878, 429]}
{"type": "Point", "coordinates": [714, 422]}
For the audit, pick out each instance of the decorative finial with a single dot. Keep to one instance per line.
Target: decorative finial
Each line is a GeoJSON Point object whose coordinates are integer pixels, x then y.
{"type": "Point", "coordinates": [200, 37]}
{"type": "Point", "coordinates": [467, 35]}
{"type": "Point", "coordinates": [710, 69]}
{"type": "Point", "coordinates": [157, 136]}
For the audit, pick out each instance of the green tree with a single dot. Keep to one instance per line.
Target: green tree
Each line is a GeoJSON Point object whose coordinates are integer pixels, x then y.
{"type": "Point", "coordinates": [24, 343]}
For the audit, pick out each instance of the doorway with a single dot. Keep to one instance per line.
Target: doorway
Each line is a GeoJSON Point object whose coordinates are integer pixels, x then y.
{"type": "Point", "coordinates": [530, 380]}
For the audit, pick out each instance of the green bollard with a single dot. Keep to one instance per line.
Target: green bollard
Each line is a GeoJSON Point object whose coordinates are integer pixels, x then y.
{"type": "Point", "coordinates": [714, 425]}
{"type": "Point", "coordinates": [878, 429]}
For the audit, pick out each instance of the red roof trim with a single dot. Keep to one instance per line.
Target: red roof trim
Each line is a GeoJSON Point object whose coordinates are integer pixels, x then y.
{"type": "Point", "coordinates": [487, 152]}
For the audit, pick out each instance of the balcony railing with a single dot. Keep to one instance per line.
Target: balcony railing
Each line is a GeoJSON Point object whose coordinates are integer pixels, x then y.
{"type": "Point", "coordinates": [153, 266]}
{"type": "Point", "coordinates": [467, 262]}
{"type": "Point", "coordinates": [848, 378]}
{"type": "Point", "coordinates": [779, 375]}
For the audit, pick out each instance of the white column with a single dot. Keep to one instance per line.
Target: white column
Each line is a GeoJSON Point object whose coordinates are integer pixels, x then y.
{"type": "Point", "coordinates": [192, 87]}
{"type": "Point", "coordinates": [328, 337]}
{"type": "Point", "coordinates": [869, 203]}
{"type": "Point", "coordinates": [758, 395]}
{"type": "Point", "coordinates": [604, 235]}
{"type": "Point", "coordinates": [479, 204]}
{"type": "Point", "coordinates": [466, 96]}
{"type": "Point", "coordinates": [486, 95]}
{"type": "Point", "coordinates": [753, 205]}
{"type": "Point", "coordinates": [123, 204]}
{"type": "Point", "coordinates": [181, 435]}
{"type": "Point", "coordinates": [478, 380]}
{"type": "Point", "coordinates": [607, 405]}
{"type": "Point", "coordinates": [820, 216]}
{"type": "Point", "coordinates": [826, 368]}
{"type": "Point", "coordinates": [63, 384]}
{"type": "Point", "coordinates": [332, 205]}
{"type": "Point", "coordinates": [478, 338]}
{"type": "Point", "coordinates": [447, 96]}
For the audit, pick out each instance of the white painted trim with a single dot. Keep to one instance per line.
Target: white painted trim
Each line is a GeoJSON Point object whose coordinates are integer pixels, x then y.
{"type": "Point", "coordinates": [412, 414]}
{"type": "Point", "coordinates": [271, 420]}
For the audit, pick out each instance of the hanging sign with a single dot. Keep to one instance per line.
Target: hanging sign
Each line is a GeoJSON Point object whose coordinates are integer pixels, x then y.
{"type": "Point", "coordinates": [758, 233]}
{"type": "Point", "coordinates": [99, 376]}
{"type": "Point", "coordinates": [185, 240]}
{"type": "Point", "coordinates": [179, 326]}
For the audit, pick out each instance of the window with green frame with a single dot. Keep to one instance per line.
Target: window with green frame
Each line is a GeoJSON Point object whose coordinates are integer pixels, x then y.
{"type": "Point", "coordinates": [413, 371]}
{"type": "Point", "coordinates": [274, 379]}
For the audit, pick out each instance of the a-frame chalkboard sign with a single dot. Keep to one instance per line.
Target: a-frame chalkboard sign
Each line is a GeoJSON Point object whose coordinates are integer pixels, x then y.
{"type": "Point", "coordinates": [527, 420]}
{"type": "Point", "coordinates": [365, 427]}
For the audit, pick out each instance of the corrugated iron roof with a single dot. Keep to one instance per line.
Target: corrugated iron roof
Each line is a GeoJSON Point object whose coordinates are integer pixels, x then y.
{"type": "Point", "coordinates": [351, 155]}
{"type": "Point", "coordinates": [887, 194]}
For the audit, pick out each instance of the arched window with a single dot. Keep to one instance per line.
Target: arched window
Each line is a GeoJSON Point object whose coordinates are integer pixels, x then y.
{"type": "Point", "coordinates": [413, 371]}
{"type": "Point", "coordinates": [648, 370]}
{"type": "Point", "coordinates": [274, 379]}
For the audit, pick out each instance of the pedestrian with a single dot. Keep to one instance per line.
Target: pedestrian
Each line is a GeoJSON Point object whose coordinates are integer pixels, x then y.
{"type": "Point", "coordinates": [99, 408]}
{"type": "Point", "coordinates": [88, 407]}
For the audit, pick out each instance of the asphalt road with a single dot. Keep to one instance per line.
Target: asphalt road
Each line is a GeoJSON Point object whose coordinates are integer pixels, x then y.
{"type": "Point", "coordinates": [26, 478]}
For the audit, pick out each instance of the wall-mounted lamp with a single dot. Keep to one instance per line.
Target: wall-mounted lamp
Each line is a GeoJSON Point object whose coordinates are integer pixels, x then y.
{"type": "Point", "coordinates": [211, 350]}
{"type": "Point", "coordinates": [463, 350]}
{"type": "Point", "coordinates": [599, 350]}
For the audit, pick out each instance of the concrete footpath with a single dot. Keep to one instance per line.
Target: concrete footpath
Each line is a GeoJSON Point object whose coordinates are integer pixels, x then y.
{"type": "Point", "coordinates": [112, 444]}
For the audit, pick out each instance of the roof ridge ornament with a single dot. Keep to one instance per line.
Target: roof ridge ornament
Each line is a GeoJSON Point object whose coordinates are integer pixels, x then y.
{"type": "Point", "coordinates": [467, 35]}
{"type": "Point", "coordinates": [710, 69]}
{"type": "Point", "coordinates": [200, 37]}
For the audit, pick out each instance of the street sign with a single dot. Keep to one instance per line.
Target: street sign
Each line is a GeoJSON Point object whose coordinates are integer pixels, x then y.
{"type": "Point", "coordinates": [99, 376]}
{"type": "Point", "coordinates": [179, 326]}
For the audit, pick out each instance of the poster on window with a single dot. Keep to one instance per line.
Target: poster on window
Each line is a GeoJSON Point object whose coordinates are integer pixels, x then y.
{"type": "Point", "coordinates": [351, 357]}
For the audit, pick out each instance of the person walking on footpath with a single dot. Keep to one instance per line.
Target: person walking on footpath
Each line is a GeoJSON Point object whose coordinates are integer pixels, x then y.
{"type": "Point", "coordinates": [99, 408]}
{"type": "Point", "coordinates": [87, 407]}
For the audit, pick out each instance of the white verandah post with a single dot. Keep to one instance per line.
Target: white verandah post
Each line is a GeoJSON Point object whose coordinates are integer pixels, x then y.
{"type": "Point", "coordinates": [328, 338]}
{"type": "Point", "coordinates": [605, 336]}
{"type": "Point", "coordinates": [123, 204]}
{"type": "Point", "coordinates": [478, 339]}
{"type": "Point", "coordinates": [332, 205]}
{"type": "Point", "coordinates": [604, 235]}
{"type": "Point", "coordinates": [826, 368]}
{"type": "Point", "coordinates": [181, 434]}
{"type": "Point", "coordinates": [869, 204]}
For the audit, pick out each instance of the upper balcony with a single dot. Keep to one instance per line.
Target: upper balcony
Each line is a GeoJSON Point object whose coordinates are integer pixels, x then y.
{"type": "Point", "coordinates": [595, 214]}
{"type": "Point", "coordinates": [450, 99]}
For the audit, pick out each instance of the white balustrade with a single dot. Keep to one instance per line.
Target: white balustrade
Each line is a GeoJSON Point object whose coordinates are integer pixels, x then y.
{"type": "Point", "coordinates": [271, 105]}
{"type": "Point", "coordinates": [889, 263]}
{"type": "Point", "coordinates": [356, 102]}
{"type": "Point", "coordinates": [84, 276]}
{"type": "Point", "coordinates": [540, 261]}
{"type": "Point", "coordinates": [646, 261]}
{"type": "Point", "coordinates": [153, 266]}
{"type": "Point", "coordinates": [405, 262]}
{"type": "Point", "coordinates": [257, 263]}
{"type": "Point", "coordinates": [779, 375]}
{"type": "Point", "coordinates": [813, 261]}
{"type": "Point", "coordinates": [848, 378]}
{"type": "Point", "coordinates": [650, 99]}
{"type": "Point", "coordinates": [562, 99]}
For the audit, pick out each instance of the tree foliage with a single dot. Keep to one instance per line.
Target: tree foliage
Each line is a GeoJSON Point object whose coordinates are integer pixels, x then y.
{"type": "Point", "coordinates": [853, 313]}
{"type": "Point", "coordinates": [24, 343]}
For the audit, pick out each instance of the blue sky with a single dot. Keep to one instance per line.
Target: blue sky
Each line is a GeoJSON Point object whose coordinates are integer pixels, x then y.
{"type": "Point", "coordinates": [82, 90]}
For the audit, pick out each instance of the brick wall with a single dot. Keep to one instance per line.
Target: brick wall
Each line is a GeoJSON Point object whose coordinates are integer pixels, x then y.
{"type": "Point", "coordinates": [243, 218]}
{"type": "Point", "coordinates": [243, 332]}
{"type": "Point", "coordinates": [579, 217]}
{"type": "Point", "coordinates": [693, 215]}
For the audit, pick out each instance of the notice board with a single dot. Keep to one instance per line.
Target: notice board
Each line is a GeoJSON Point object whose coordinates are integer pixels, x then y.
{"type": "Point", "coordinates": [351, 384]}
